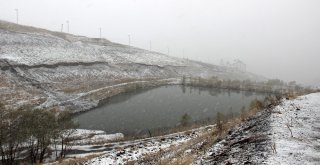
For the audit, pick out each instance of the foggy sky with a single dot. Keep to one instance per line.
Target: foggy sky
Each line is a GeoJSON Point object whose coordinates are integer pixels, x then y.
{"type": "Point", "coordinates": [275, 38]}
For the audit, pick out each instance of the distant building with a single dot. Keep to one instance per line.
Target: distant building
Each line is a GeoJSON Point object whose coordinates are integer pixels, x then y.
{"type": "Point", "coordinates": [239, 65]}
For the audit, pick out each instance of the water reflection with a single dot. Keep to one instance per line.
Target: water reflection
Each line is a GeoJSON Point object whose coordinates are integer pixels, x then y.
{"type": "Point", "coordinates": [164, 107]}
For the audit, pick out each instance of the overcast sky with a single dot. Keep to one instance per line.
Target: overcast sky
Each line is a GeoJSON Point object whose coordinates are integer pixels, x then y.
{"type": "Point", "coordinates": [275, 38]}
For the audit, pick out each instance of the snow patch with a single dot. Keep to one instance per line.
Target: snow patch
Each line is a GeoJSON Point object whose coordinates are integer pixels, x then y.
{"type": "Point", "coordinates": [301, 117]}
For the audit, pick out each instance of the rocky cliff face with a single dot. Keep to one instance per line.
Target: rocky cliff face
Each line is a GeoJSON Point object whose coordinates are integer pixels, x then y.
{"type": "Point", "coordinates": [45, 68]}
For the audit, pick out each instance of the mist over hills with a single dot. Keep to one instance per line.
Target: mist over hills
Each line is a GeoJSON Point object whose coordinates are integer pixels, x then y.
{"type": "Point", "coordinates": [46, 68]}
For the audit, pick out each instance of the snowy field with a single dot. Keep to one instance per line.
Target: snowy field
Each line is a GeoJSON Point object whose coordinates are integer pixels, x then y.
{"type": "Point", "coordinates": [295, 131]}
{"type": "Point", "coordinates": [41, 48]}
{"type": "Point", "coordinates": [287, 134]}
{"type": "Point", "coordinates": [141, 150]}
{"type": "Point", "coordinates": [84, 136]}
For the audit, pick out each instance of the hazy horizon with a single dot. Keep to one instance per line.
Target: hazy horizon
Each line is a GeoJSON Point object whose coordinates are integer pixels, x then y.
{"type": "Point", "coordinates": [275, 38]}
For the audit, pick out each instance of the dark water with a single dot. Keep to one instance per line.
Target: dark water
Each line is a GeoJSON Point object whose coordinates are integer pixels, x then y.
{"type": "Point", "coordinates": [149, 109]}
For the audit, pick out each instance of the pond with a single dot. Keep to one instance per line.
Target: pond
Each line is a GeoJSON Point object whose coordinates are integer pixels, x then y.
{"type": "Point", "coordinates": [163, 107]}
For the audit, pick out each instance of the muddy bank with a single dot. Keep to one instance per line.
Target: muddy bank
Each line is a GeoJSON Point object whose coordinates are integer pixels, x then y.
{"type": "Point", "coordinates": [247, 143]}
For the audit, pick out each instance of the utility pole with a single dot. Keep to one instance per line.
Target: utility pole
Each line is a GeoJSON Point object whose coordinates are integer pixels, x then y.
{"type": "Point", "coordinates": [129, 40]}
{"type": "Point", "coordinates": [100, 32]}
{"type": "Point", "coordinates": [17, 15]}
{"type": "Point", "coordinates": [150, 45]}
{"type": "Point", "coordinates": [61, 27]}
{"type": "Point", "coordinates": [182, 52]}
{"type": "Point", "coordinates": [68, 26]}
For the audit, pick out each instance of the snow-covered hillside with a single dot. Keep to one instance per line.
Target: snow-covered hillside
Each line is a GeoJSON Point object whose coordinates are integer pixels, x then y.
{"type": "Point", "coordinates": [46, 68]}
{"type": "Point", "coordinates": [34, 48]}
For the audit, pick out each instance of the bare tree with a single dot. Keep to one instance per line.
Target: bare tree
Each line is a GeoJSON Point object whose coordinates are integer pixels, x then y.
{"type": "Point", "coordinates": [11, 134]}
{"type": "Point", "coordinates": [34, 131]}
{"type": "Point", "coordinates": [66, 126]}
{"type": "Point", "coordinates": [40, 127]}
{"type": "Point", "coordinates": [219, 122]}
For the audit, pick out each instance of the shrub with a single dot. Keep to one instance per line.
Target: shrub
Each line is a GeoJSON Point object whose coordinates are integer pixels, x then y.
{"type": "Point", "coordinates": [185, 119]}
{"type": "Point", "coordinates": [219, 122]}
{"type": "Point", "coordinates": [32, 130]}
{"type": "Point", "coordinates": [256, 105]}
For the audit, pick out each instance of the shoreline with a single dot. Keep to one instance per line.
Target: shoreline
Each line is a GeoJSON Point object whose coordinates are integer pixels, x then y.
{"type": "Point", "coordinates": [287, 133]}
{"type": "Point", "coordinates": [154, 84]}
{"type": "Point", "coordinates": [253, 138]}
{"type": "Point", "coordinates": [176, 127]}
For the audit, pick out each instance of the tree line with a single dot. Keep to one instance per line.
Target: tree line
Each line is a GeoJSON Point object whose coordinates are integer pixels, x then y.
{"type": "Point", "coordinates": [31, 135]}
{"type": "Point", "coordinates": [272, 85]}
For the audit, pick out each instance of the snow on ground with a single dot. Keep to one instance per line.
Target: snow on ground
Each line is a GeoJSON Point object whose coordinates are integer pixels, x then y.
{"type": "Point", "coordinates": [40, 48]}
{"type": "Point", "coordinates": [94, 136]}
{"type": "Point", "coordinates": [135, 150]}
{"type": "Point", "coordinates": [60, 67]}
{"type": "Point", "coordinates": [302, 117]}
{"type": "Point", "coordinates": [288, 133]}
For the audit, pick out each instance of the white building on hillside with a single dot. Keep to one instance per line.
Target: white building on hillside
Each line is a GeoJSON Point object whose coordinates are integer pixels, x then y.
{"type": "Point", "coordinates": [239, 65]}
